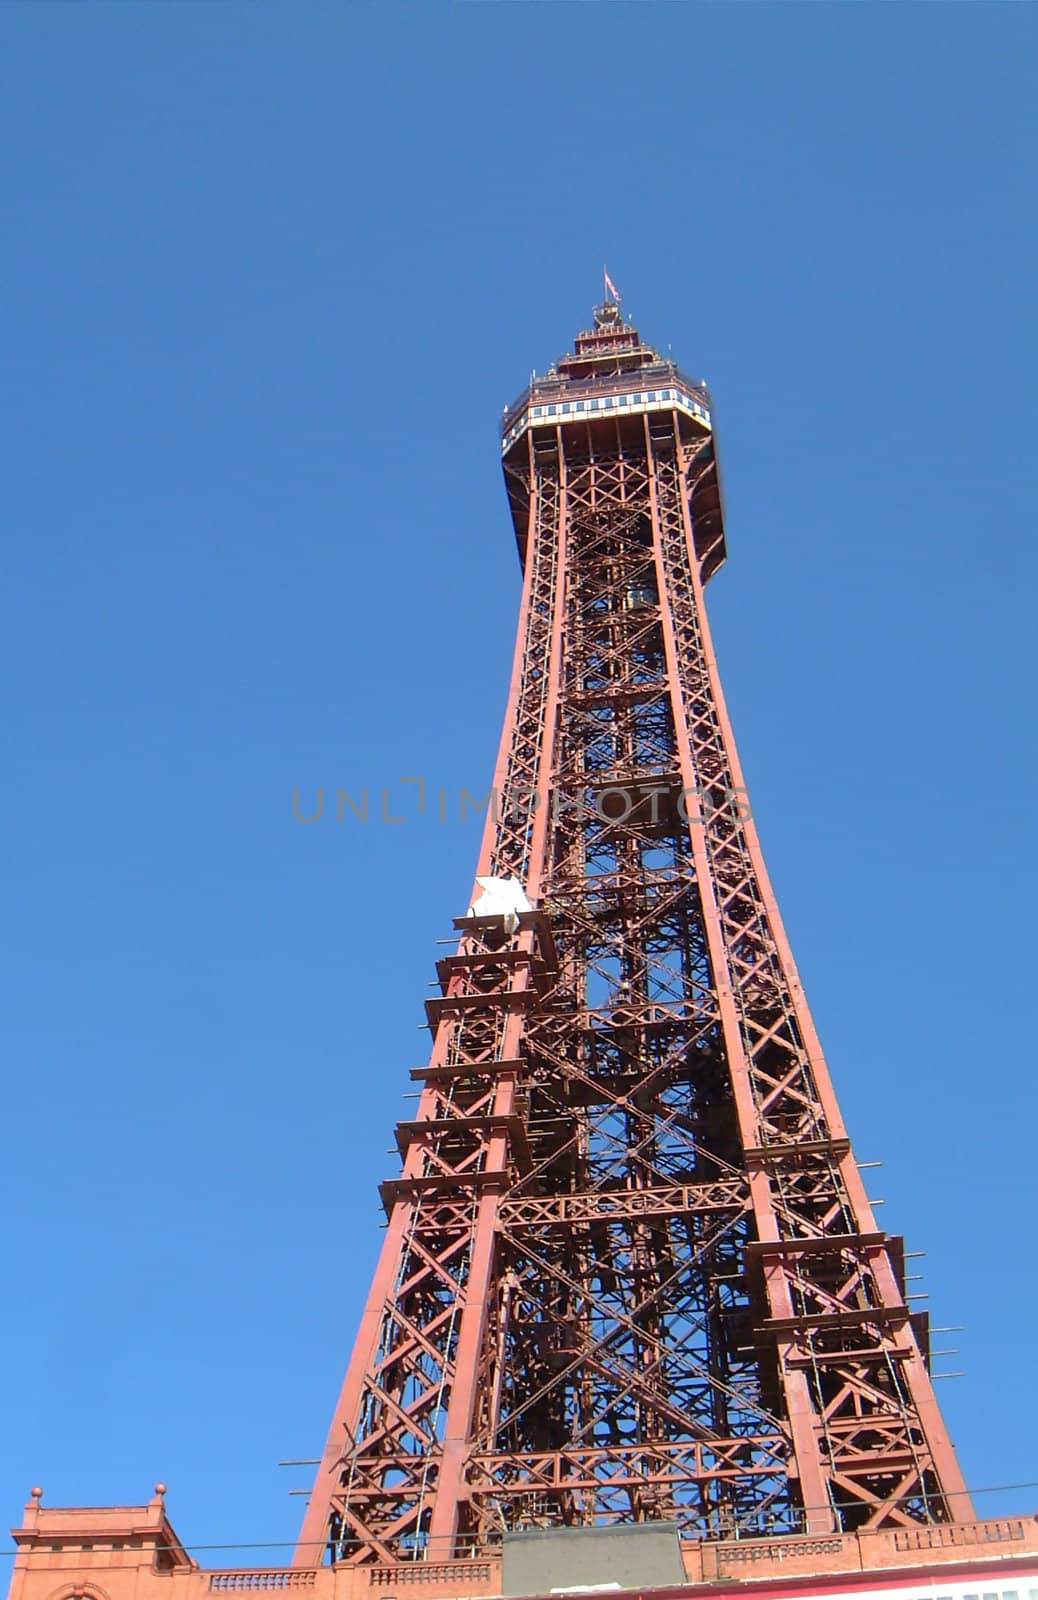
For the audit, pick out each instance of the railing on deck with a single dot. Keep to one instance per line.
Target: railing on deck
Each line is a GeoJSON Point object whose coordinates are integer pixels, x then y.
{"type": "Point", "coordinates": [552, 390]}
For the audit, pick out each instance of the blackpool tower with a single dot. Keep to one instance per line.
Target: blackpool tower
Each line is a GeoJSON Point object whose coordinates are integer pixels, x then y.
{"type": "Point", "coordinates": [633, 1326]}
{"type": "Point", "coordinates": [630, 1272]}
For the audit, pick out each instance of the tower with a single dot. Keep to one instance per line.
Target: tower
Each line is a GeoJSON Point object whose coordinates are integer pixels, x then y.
{"type": "Point", "coordinates": [630, 1272]}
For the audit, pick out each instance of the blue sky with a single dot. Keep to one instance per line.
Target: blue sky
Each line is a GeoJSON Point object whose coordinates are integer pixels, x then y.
{"type": "Point", "coordinates": [270, 273]}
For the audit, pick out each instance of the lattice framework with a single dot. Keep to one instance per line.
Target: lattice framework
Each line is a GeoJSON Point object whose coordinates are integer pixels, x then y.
{"type": "Point", "coordinates": [630, 1269]}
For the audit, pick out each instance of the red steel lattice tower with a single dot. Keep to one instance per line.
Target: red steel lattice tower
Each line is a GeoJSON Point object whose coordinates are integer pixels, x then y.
{"type": "Point", "coordinates": [630, 1272]}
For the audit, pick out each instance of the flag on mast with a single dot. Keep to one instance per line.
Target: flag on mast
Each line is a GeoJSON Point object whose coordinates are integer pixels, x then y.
{"type": "Point", "coordinates": [610, 287]}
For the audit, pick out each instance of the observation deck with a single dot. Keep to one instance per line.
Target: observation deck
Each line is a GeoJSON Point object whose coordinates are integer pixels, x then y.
{"type": "Point", "coordinates": [610, 374]}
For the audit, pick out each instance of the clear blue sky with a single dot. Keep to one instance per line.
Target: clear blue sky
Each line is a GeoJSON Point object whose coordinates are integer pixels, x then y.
{"type": "Point", "coordinates": [269, 274]}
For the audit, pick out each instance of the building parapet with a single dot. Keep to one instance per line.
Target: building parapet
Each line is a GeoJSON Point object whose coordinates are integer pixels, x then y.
{"type": "Point", "coordinates": [133, 1553]}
